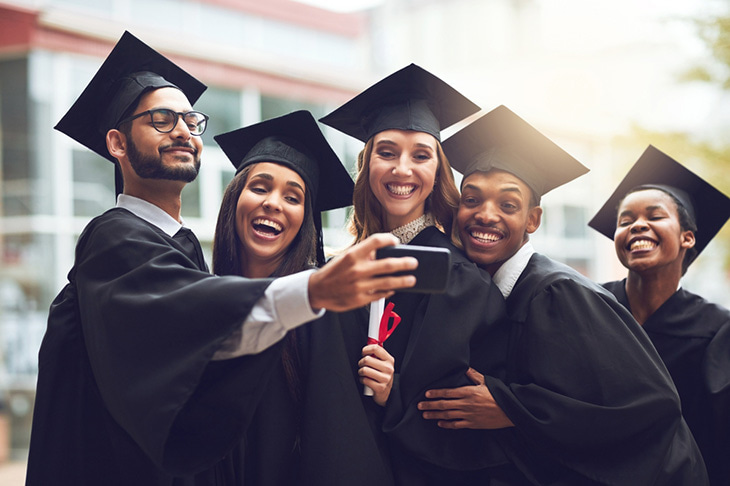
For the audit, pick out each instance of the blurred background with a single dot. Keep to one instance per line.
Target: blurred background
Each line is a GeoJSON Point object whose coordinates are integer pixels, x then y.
{"type": "Point", "coordinates": [602, 79]}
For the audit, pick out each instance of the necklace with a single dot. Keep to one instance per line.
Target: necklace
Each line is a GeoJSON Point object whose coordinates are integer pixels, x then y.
{"type": "Point", "coordinates": [409, 231]}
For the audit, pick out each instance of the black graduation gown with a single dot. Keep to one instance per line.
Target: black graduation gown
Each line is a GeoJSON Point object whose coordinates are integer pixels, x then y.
{"type": "Point", "coordinates": [271, 448]}
{"type": "Point", "coordinates": [127, 393]}
{"type": "Point", "coordinates": [439, 337]}
{"type": "Point", "coordinates": [329, 438]}
{"type": "Point", "coordinates": [591, 401]}
{"type": "Point", "coordinates": [692, 336]}
{"type": "Point", "coordinates": [342, 442]}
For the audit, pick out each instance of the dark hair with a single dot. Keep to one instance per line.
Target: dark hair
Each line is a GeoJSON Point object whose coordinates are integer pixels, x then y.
{"type": "Point", "coordinates": [367, 215]}
{"type": "Point", "coordinates": [227, 257]}
{"type": "Point", "coordinates": [686, 221]}
{"type": "Point", "coordinates": [300, 255]}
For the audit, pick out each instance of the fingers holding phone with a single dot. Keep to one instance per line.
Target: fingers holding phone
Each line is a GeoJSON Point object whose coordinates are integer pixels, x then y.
{"type": "Point", "coordinates": [356, 278]}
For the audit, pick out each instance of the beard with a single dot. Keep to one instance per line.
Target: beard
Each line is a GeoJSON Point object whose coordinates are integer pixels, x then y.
{"type": "Point", "coordinates": [151, 166]}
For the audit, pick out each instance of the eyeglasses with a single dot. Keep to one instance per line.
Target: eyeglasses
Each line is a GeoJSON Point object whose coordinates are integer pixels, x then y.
{"type": "Point", "coordinates": [165, 120]}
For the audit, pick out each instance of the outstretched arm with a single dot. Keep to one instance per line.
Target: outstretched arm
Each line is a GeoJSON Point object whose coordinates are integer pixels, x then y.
{"type": "Point", "coordinates": [466, 407]}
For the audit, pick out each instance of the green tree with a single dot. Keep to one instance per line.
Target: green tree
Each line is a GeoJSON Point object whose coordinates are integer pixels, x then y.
{"type": "Point", "coordinates": [715, 33]}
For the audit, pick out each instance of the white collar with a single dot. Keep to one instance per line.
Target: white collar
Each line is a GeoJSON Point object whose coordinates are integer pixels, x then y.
{"type": "Point", "coordinates": [506, 276]}
{"type": "Point", "coordinates": [149, 212]}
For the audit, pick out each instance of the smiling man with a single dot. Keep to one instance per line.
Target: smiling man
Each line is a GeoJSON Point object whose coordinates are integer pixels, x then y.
{"type": "Point", "coordinates": [586, 398]}
{"type": "Point", "coordinates": [151, 367]}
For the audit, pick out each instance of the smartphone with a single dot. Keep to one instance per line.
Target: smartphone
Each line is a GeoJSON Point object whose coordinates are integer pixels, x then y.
{"type": "Point", "coordinates": [434, 266]}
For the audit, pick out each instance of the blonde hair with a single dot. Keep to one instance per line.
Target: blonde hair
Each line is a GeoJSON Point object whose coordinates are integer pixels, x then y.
{"type": "Point", "coordinates": [367, 217]}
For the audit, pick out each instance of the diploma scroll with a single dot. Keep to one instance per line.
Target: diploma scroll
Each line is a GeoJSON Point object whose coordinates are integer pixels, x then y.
{"type": "Point", "coordinates": [376, 314]}
{"type": "Point", "coordinates": [378, 330]}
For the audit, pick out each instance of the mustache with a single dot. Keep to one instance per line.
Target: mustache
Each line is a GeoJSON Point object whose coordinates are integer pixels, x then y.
{"type": "Point", "coordinates": [178, 143]}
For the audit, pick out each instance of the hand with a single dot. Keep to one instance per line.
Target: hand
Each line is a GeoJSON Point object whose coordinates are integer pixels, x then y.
{"type": "Point", "coordinates": [352, 280]}
{"type": "Point", "coordinates": [377, 368]}
{"type": "Point", "coordinates": [466, 407]}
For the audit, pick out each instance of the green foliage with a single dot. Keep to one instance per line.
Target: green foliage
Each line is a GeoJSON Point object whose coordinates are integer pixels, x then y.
{"type": "Point", "coordinates": [715, 33]}
{"type": "Point", "coordinates": [696, 73]}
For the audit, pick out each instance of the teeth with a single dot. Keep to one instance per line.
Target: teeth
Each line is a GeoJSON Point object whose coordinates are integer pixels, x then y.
{"type": "Point", "coordinates": [401, 190]}
{"type": "Point", "coordinates": [642, 245]}
{"type": "Point", "coordinates": [486, 237]}
{"type": "Point", "coordinates": [267, 222]}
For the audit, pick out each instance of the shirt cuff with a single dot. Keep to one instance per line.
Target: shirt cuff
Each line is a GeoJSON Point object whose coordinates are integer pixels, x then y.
{"type": "Point", "coordinates": [290, 295]}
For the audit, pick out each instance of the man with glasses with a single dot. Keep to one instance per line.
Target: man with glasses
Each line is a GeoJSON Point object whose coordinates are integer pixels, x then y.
{"type": "Point", "coordinates": [151, 368]}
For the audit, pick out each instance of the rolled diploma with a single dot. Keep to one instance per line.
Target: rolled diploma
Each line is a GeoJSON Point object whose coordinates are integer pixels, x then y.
{"type": "Point", "coordinates": [376, 314]}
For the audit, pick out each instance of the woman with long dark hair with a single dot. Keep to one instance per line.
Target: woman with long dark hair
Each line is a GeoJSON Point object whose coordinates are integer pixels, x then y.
{"type": "Point", "coordinates": [269, 226]}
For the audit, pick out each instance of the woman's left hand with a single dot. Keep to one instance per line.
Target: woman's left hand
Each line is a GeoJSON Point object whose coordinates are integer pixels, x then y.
{"type": "Point", "coordinates": [377, 368]}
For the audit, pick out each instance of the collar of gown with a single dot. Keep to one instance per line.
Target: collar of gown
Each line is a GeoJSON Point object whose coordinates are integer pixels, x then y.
{"type": "Point", "coordinates": [506, 277]}
{"type": "Point", "coordinates": [149, 212]}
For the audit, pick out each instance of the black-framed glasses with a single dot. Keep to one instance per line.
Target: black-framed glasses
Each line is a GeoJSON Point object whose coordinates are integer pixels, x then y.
{"type": "Point", "coordinates": [165, 120]}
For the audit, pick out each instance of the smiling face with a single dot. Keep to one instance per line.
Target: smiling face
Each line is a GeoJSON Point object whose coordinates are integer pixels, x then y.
{"type": "Point", "coordinates": [403, 167]}
{"type": "Point", "coordinates": [269, 215]}
{"type": "Point", "coordinates": [648, 233]}
{"type": "Point", "coordinates": [495, 217]}
{"type": "Point", "coordinates": [154, 155]}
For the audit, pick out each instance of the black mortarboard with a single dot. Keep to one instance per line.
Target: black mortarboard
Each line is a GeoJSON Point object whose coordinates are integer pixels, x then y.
{"type": "Point", "coordinates": [409, 99]}
{"type": "Point", "coordinates": [295, 141]}
{"type": "Point", "coordinates": [655, 169]}
{"type": "Point", "coordinates": [131, 69]}
{"type": "Point", "coordinates": [502, 140]}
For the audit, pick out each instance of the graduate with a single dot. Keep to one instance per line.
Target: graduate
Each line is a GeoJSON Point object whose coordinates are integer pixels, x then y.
{"type": "Point", "coordinates": [661, 216]}
{"type": "Point", "coordinates": [151, 367]}
{"type": "Point", "coordinates": [269, 225]}
{"type": "Point", "coordinates": [586, 396]}
{"type": "Point", "coordinates": [405, 186]}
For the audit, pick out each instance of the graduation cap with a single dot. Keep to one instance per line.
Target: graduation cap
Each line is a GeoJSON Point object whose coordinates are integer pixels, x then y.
{"type": "Point", "coordinates": [502, 140]}
{"type": "Point", "coordinates": [409, 99]}
{"type": "Point", "coordinates": [656, 170]}
{"type": "Point", "coordinates": [131, 69]}
{"type": "Point", "coordinates": [295, 141]}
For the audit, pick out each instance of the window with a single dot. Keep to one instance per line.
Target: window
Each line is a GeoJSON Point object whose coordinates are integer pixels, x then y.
{"type": "Point", "coordinates": [223, 106]}
{"type": "Point", "coordinates": [574, 218]}
{"type": "Point", "coordinates": [272, 107]}
{"type": "Point", "coordinates": [93, 183]}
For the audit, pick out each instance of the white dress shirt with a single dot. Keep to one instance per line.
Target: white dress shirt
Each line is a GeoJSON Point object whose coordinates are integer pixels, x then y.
{"type": "Point", "coordinates": [506, 276]}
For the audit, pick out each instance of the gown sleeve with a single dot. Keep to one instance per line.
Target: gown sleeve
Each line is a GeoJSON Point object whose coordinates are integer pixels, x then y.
{"type": "Point", "coordinates": [588, 394]}
{"type": "Point", "coordinates": [151, 322]}
{"type": "Point", "coordinates": [716, 368]}
{"type": "Point", "coordinates": [341, 438]}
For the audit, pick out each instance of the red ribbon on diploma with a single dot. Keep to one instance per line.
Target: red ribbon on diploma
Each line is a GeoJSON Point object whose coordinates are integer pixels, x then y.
{"type": "Point", "coordinates": [383, 331]}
